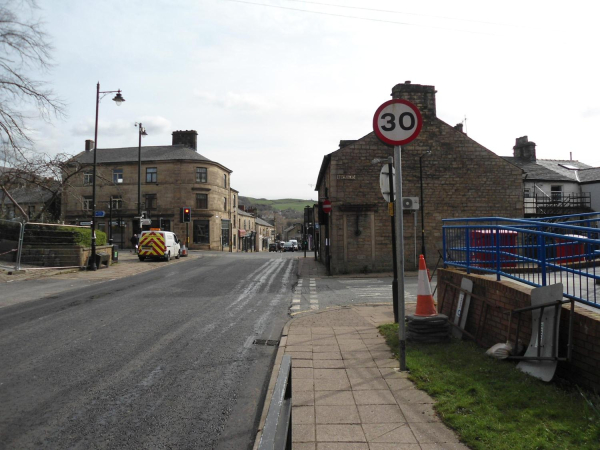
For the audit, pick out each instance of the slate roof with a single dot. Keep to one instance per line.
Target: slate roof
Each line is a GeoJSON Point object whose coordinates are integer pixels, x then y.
{"type": "Point", "coordinates": [152, 153]}
{"type": "Point", "coordinates": [549, 169]}
{"type": "Point", "coordinates": [589, 175]}
{"type": "Point", "coordinates": [26, 195]}
{"type": "Point", "coordinates": [244, 213]}
{"type": "Point", "coordinates": [262, 222]}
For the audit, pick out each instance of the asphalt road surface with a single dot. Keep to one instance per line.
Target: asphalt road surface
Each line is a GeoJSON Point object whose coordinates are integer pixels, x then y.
{"type": "Point", "coordinates": [162, 359]}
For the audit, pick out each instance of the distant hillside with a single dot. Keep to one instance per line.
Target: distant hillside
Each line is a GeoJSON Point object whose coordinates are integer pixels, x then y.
{"type": "Point", "coordinates": [285, 204]}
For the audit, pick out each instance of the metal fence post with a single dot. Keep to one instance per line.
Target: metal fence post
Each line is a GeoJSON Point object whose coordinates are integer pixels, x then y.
{"type": "Point", "coordinates": [498, 265]}
{"type": "Point", "coordinates": [542, 254]}
{"type": "Point", "coordinates": [467, 247]}
{"type": "Point", "coordinates": [20, 245]}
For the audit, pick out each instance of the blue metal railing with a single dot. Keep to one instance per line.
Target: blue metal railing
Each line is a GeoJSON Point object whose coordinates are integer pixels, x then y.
{"type": "Point", "coordinates": [537, 252]}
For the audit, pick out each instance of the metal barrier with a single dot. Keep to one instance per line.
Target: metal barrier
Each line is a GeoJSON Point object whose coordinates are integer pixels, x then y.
{"type": "Point", "coordinates": [11, 242]}
{"type": "Point", "coordinates": [39, 245]}
{"type": "Point", "coordinates": [277, 433]}
{"type": "Point", "coordinates": [537, 252]}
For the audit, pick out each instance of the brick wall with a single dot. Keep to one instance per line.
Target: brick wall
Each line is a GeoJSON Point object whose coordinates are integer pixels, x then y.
{"type": "Point", "coordinates": [491, 328]}
{"type": "Point", "coordinates": [461, 178]}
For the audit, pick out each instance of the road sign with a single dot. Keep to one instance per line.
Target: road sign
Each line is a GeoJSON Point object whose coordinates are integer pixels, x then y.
{"type": "Point", "coordinates": [397, 122]}
{"type": "Point", "coordinates": [146, 222]}
{"type": "Point", "coordinates": [326, 206]}
{"type": "Point", "coordinates": [384, 183]}
{"type": "Point", "coordinates": [100, 214]}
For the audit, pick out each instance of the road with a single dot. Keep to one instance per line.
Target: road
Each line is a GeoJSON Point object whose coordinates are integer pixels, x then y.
{"type": "Point", "coordinates": [162, 359]}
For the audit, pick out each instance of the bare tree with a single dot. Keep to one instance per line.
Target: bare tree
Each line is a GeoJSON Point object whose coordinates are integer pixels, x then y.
{"type": "Point", "coordinates": [24, 49]}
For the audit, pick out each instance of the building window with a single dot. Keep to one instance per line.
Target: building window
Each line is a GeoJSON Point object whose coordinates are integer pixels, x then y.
{"type": "Point", "coordinates": [117, 176]}
{"type": "Point", "coordinates": [201, 176]}
{"type": "Point", "coordinates": [233, 202]}
{"type": "Point", "coordinates": [88, 178]}
{"type": "Point", "coordinates": [224, 180]}
{"type": "Point", "coordinates": [556, 192]}
{"type": "Point", "coordinates": [117, 202]}
{"type": "Point", "coordinates": [151, 202]}
{"type": "Point", "coordinates": [87, 203]}
{"type": "Point", "coordinates": [234, 244]}
{"type": "Point", "coordinates": [201, 232]}
{"type": "Point", "coordinates": [224, 203]}
{"type": "Point", "coordinates": [151, 175]}
{"type": "Point", "coordinates": [31, 212]}
{"type": "Point", "coordinates": [244, 224]}
{"type": "Point", "coordinates": [202, 201]}
{"type": "Point", "coordinates": [527, 193]}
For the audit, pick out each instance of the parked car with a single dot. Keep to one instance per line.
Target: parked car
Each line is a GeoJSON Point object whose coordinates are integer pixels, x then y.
{"type": "Point", "coordinates": [288, 247]}
{"type": "Point", "coordinates": [273, 247]}
{"type": "Point", "coordinates": [281, 244]}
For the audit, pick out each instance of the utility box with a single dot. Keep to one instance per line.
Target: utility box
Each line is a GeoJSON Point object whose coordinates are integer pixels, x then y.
{"type": "Point", "coordinates": [115, 253]}
{"type": "Point", "coordinates": [570, 251]}
{"type": "Point", "coordinates": [484, 245]}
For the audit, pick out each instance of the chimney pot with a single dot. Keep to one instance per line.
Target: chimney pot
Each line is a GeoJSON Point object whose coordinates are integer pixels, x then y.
{"type": "Point", "coordinates": [421, 95]}
{"type": "Point", "coordinates": [89, 145]}
{"type": "Point", "coordinates": [189, 138]}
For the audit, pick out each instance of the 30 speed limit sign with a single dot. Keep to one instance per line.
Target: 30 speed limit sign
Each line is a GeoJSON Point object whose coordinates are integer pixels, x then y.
{"type": "Point", "coordinates": [397, 122]}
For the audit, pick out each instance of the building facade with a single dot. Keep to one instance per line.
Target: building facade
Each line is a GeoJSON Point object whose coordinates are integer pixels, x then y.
{"type": "Point", "coordinates": [172, 177]}
{"type": "Point", "coordinates": [459, 178]}
{"type": "Point", "coordinates": [554, 187]}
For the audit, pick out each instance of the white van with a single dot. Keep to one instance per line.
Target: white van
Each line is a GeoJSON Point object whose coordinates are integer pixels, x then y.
{"type": "Point", "coordinates": [294, 243]}
{"type": "Point", "coordinates": [159, 244]}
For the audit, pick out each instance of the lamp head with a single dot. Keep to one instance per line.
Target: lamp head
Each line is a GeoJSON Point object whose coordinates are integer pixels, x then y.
{"type": "Point", "coordinates": [118, 98]}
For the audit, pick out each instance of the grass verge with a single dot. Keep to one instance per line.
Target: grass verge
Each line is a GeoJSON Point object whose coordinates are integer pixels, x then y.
{"type": "Point", "coordinates": [493, 405]}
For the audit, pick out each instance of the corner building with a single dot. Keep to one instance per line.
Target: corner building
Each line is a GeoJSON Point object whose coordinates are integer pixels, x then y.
{"type": "Point", "coordinates": [460, 178]}
{"type": "Point", "coordinates": [172, 177]}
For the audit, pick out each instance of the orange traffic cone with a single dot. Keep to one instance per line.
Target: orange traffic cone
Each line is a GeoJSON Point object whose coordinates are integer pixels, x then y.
{"type": "Point", "coordinates": [425, 303]}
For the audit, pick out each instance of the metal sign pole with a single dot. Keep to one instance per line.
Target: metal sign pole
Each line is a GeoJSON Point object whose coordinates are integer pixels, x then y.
{"type": "Point", "coordinates": [400, 256]}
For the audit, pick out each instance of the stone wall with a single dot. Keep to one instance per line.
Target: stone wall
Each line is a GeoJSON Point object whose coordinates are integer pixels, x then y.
{"type": "Point", "coordinates": [491, 326]}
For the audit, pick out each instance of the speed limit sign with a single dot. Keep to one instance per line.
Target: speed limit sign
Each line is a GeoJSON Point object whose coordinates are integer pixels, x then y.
{"type": "Point", "coordinates": [397, 122]}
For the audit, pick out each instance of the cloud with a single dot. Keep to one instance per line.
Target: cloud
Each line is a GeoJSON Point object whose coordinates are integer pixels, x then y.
{"type": "Point", "coordinates": [232, 100]}
{"type": "Point", "coordinates": [121, 128]}
{"type": "Point", "coordinates": [591, 112]}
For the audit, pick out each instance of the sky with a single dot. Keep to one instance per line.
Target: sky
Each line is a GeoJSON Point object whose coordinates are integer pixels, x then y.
{"type": "Point", "coordinates": [271, 86]}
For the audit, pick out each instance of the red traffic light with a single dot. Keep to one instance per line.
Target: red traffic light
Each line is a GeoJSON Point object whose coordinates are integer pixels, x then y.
{"type": "Point", "coordinates": [186, 215]}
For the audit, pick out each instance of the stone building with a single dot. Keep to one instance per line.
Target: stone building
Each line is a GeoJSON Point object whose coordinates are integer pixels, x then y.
{"type": "Point", "coordinates": [173, 176]}
{"type": "Point", "coordinates": [460, 178]}
{"type": "Point", "coordinates": [265, 234]}
{"type": "Point", "coordinates": [246, 230]}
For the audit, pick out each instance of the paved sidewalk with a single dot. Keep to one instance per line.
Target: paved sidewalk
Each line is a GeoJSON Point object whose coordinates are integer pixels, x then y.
{"type": "Point", "coordinates": [347, 391]}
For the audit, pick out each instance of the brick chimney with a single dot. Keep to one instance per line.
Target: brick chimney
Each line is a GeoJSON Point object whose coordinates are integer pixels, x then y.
{"type": "Point", "coordinates": [524, 149]}
{"type": "Point", "coordinates": [89, 145]}
{"type": "Point", "coordinates": [421, 95]}
{"type": "Point", "coordinates": [188, 138]}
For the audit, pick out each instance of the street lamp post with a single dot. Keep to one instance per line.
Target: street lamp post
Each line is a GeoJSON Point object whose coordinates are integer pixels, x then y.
{"type": "Point", "coordinates": [428, 152]}
{"type": "Point", "coordinates": [118, 99]}
{"type": "Point", "coordinates": [141, 132]}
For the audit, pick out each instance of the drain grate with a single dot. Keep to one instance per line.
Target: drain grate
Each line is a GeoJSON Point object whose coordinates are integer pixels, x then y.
{"type": "Point", "coordinates": [270, 342]}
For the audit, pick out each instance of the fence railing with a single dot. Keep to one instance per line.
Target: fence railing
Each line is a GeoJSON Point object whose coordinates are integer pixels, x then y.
{"type": "Point", "coordinates": [277, 432]}
{"type": "Point", "coordinates": [39, 245]}
{"type": "Point", "coordinates": [564, 249]}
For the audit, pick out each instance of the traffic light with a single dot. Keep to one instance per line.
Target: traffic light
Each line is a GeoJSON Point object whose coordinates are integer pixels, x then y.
{"type": "Point", "coordinates": [186, 215]}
